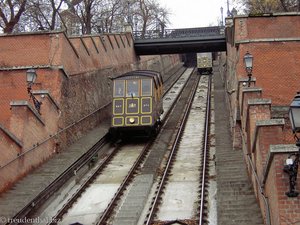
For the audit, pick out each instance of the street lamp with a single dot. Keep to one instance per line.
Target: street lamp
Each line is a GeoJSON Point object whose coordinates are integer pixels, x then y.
{"type": "Point", "coordinates": [30, 78]}
{"type": "Point", "coordinates": [291, 165]}
{"type": "Point", "coordinates": [248, 61]}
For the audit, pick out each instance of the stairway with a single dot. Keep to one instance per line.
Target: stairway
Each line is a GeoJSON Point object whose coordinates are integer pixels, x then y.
{"type": "Point", "coordinates": [236, 202]}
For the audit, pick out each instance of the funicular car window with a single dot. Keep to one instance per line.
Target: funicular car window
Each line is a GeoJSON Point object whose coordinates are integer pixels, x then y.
{"type": "Point", "coordinates": [146, 87]}
{"type": "Point", "coordinates": [119, 88]}
{"type": "Point", "coordinates": [132, 88]}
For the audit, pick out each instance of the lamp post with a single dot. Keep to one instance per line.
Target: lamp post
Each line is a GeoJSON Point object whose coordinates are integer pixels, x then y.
{"type": "Point", "coordinates": [228, 11]}
{"type": "Point", "coordinates": [129, 21]}
{"type": "Point", "coordinates": [222, 23]}
{"type": "Point", "coordinates": [30, 78]}
{"type": "Point", "coordinates": [291, 165]}
{"type": "Point", "coordinates": [248, 61]}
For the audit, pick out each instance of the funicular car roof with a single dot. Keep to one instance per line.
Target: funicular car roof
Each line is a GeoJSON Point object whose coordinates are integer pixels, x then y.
{"type": "Point", "coordinates": [147, 73]}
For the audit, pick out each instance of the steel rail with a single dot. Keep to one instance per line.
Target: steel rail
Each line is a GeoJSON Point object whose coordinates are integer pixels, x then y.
{"type": "Point", "coordinates": [82, 188]}
{"type": "Point", "coordinates": [109, 209]}
{"type": "Point", "coordinates": [172, 84]}
{"type": "Point", "coordinates": [172, 154]}
{"type": "Point", "coordinates": [59, 181]}
{"type": "Point", "coordinates": [124, 184]}
{"type": "Point", "coordinates": [178, 73]}
{"type": "Point", "coordinates": [105, 215]}
{"type": "Point", "coordinates": [205, 152]}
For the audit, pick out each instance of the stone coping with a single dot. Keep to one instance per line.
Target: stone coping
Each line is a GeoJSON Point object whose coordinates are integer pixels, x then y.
{"type": "Point", "coordinates": [248, 90]}
{"type": "Point", "coordinates": [257, 40]}
{"type": "Point", "coordinates": [26, 104]}
{"type": "Point", "coordinates": [251, 89]}
{"type": "Point", "coordinates": [46, 92]}
{"type": "Point", "coordinates": [268, 15]}
{"type": "Point", "coordinates": [277, 149]}
{"type": "Point", "coordinates": [265, 123]}
{"type": "Point", "coordinates": [259, 101]}
{"type": "Point", "coordinates": [11, 135]}
{"type": "Point", "coordinates": [51, 67]}
{"type": "Point", "coordinates": [244, 79]}
{"type": "Point", "coordinates": [256, 102]}
{"type": "Point", "coordinates": [279, 111]}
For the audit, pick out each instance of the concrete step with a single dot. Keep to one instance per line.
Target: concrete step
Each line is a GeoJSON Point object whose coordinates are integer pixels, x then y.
{"type": "Point", "coordinates": [234, 184]}
{"type": "Point", "coordinates": [228, 174]}
{"type": "Point", "coordinates": [232, 178]}
{"type": "Point", "coordinates": [233, 198]}
{"type": "Point", "coordinates": [235, 221]}
{"type": "Point", "coordinates": [229, 161]}
{"type": "Point", "coordinates": [246, 206]}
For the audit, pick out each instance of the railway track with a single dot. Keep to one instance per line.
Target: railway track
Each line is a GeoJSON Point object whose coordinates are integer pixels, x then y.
{"type": "Point", "coordinates": [144, 160]}
{"type": "Point", "coordinates": [186, 170]}
{"type": "Point", "coordinates": [130, 210]}
{"type": "Point", "coordinates": [100, 183]}
{"type": "Point", "coordinates": [104, 213]}
{"type": "Point", "coordinates": [88, 185]}
{"type": "Point", "coordinates": [72, 170]}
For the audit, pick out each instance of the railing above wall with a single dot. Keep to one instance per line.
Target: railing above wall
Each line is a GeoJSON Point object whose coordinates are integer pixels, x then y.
{"type": "Point", "coordinates": [179, 33]}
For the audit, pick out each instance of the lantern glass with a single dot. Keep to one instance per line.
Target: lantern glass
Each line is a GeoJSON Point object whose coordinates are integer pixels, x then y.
{"type": "Point", "coordinates": [248, 60]}
{"type": "Point", "coordinates": [294, 114]}
{"type": "Point", "coordinates": [30, 76]}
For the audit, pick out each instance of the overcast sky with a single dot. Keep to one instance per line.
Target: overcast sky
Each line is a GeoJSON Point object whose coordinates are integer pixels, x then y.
{"type": "Point", "coordinates": [194, 13]}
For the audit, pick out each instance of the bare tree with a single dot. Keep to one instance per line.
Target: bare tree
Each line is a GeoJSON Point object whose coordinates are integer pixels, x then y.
{"type": "Point", "coordinates": [42, 14]}
{"type": "Point", "coordinates": [10, 14]}
{"type": "Point", "coordinates": [83, 10]}
{"type": "Point", "coordinates": [81, 16]}
{"type": "Point", "coordinates": [86, 16]}
{"type": "Point", "coordinates": [108, 16]}
{"type": "Point", "coordinates": [270, 6]}
{"type": "Point", "coordinates": [163, 18]}
{"type": "Point", "coordinates": [290, 5]}
{"type": "Point", "coordinates": [150, 16]}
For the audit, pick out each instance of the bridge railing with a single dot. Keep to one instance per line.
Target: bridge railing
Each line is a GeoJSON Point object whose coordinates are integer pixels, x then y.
{"type": "Point", "coordinates": [179, 33]}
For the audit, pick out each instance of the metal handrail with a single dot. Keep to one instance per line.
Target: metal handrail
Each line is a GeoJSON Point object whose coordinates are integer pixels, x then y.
{"type": "Point", "coordinates": [261, 191]}
{"type": "Point", "coordinates": [260, 187]}
{"type": "Point", "coordinates": [178, 33]}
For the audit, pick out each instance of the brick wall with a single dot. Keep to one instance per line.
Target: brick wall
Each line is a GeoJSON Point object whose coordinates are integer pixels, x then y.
{"type": "Point", "coordinates": [276, 68]}
{"type": "Point", "coordinates": [12, 148]}
{"type": "Point", "coordinates": [13, 86]}
{"type": "Point", "coordinates": [285, 210]}
{"type": "Point", "coordinates": [260, 133]}
{"type": "Point", "coordinates": [274, 43]}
